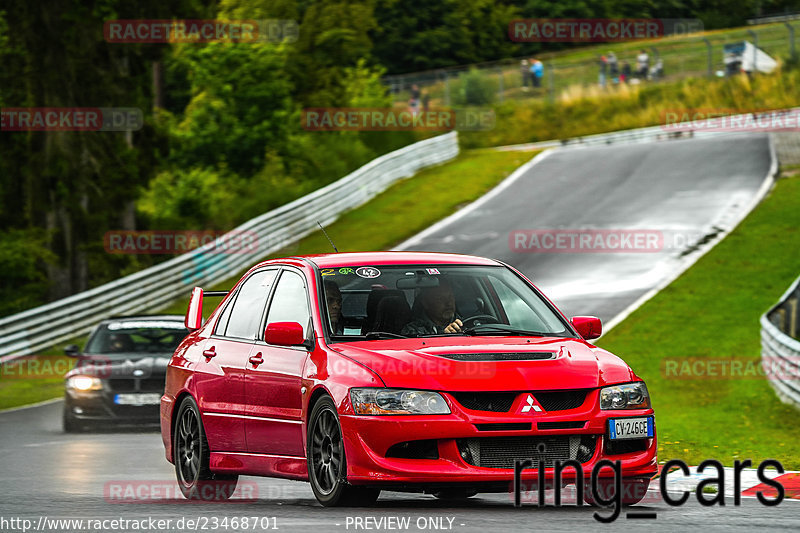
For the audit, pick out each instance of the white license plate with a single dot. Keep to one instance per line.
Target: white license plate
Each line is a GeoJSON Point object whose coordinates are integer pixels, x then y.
{"type": "Point", "coordinates": [630, 428]}
{"type": "Point", "coordinates": [137, 399]}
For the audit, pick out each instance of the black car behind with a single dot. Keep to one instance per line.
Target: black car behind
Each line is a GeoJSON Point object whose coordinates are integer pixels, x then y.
{"type": "Point", "coordinates": [119, 376]}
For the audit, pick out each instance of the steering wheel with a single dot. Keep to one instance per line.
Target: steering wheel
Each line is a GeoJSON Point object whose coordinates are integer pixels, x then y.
{"type": "Point", "coordinates": [478, 320]}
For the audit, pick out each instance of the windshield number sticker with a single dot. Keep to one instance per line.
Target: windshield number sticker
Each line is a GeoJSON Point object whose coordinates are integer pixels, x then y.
{"type": "Point", "coordinates": [368, 272]}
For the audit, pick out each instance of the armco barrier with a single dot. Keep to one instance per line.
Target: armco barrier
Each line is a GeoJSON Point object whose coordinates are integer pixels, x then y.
{"type": "Point", "coordinates": [780, 328]}
{"type": "Point", "coordinates": [637, 135]}
{"type": "Point", "coordinates": [41, 327]}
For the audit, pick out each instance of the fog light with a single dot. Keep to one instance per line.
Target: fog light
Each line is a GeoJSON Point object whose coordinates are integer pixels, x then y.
{"type": "Point", "coordinates": [77, 410]}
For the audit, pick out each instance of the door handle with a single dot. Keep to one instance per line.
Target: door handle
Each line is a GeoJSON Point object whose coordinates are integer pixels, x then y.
{"type": "Point", "coordinates": [257, 359]}
{"type": "Point", "coordinates": [209, 353]}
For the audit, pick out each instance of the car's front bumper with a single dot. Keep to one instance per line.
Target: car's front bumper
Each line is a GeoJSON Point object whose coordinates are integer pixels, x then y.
{"type": "Point", "coordinates": [370, 442]}
{"type": "Point", "coordinates": [98, 408]}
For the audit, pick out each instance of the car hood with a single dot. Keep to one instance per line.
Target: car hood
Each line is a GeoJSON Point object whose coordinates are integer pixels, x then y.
{"type": "Point", "coordinates": [119, 368]}
{"type": "Point", "coordinates": [539, 364]}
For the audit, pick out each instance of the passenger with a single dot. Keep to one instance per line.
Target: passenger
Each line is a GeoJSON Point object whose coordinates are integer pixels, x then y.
{"type": "Point", "coordinates": [333, 297]}
{"type": "Point", "coordinates": [438, 312]}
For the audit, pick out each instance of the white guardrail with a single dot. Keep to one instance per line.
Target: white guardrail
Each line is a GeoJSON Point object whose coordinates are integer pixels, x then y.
{"type": "Point", "coordinates": [41, 327]}
{"type": "Point", "coordinates": [662, 133]}
{"type": "Point", "coordinates": [780, 349]}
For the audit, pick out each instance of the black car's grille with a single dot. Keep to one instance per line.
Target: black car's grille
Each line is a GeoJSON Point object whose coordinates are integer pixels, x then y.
{"type": "Point", "coordinates": [136, 385]}
{"type": "Point", "coordinates": [151, 412]}
{"type": "Point", "coordinates": [561, 400]}
{"type": "Point", "coordinates": [504, 452]}
{"type": "Point", "coordinates": [512, 356]}
{"type": "Point", "coordinates": [496, 402]}
{"type": "Point", "coordinates": [501, 402]}
{"type": "Point", "coordinates": [152, 384]}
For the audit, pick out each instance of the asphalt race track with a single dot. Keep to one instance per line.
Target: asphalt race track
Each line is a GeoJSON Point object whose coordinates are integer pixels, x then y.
{"type": "Point", "coordinates": [682, 189]}
{"type": "Point", "coordinates": [685, 186]}
{"type": "Point", "coordinates": [46, 473]}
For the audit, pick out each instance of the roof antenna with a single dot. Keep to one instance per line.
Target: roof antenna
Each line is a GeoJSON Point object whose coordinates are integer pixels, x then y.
{"type": "Point", "coordinates": [326, 236]}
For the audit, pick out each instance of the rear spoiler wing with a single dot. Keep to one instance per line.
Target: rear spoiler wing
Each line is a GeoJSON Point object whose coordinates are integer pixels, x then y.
{"type": "Point", "coordinates": [194, 313]}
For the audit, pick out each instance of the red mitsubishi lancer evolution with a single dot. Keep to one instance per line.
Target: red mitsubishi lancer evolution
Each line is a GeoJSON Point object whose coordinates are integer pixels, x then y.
{"type": "Point", "coordinates": [402, 371]}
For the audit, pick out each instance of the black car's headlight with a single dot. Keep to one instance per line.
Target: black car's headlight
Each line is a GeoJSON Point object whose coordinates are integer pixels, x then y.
{"type": "Point", "coordinates": [625, 396]}
{"type": "Point", "coordinates": [84, 383]}
{"type": "Point", "coordinates": [397, 402]}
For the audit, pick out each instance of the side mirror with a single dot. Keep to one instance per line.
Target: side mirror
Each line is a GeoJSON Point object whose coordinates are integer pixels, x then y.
{"type": "Point", "coordinates": [72, 350]}
{"type": "Point", "coordinates": [194, 313]}
{"type": "Point", "coordinates": [284, 334]}
{"type": "Point", "coordinates": [589, 327]}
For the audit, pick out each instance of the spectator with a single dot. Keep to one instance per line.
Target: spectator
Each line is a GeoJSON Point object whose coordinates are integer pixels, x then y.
{"type": "Point", "coordinates": [642, 64]}
{"type": "Point", "coordinates": [603, 65]}
{"type": "Point", "coordinates": [524, 70]}
{"type": "Point", "coordinates": [613, 67]}
{"type": "Point", "coordinates": [413, 102]}
{"type": "Point", "coordinates": [626, 72]}
{"type": "Point", "coordinates": [537, 71]}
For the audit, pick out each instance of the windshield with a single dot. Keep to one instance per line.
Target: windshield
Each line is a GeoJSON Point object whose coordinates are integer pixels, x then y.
{"type": "Point", "coordinates": [144, 338]}
{"type": "Point", "coordinates": [428, 300]}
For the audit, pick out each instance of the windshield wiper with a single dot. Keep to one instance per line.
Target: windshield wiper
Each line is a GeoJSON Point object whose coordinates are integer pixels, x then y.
{"type": "Point", "coordinates": [383, 335]}
{"type": "Point", "coordinates": [496, 328]}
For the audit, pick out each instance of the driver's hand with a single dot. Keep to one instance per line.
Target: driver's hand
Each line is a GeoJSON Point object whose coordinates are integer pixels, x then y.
{"type": "Point", "coordinates": [454, 327]}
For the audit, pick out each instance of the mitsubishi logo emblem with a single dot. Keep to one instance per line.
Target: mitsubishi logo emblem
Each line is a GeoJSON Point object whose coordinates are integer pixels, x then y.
{"type": "Point", "coordinates": [532, 405]}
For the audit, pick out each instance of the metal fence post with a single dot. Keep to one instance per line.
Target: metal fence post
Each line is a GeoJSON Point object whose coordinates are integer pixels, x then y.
{"type": "Point", "coordinates": [710, 57]}
{"type": "Point", "coordinates": [551, 82]}
{"type": "Point", "coordinates": [791, 39]}
{"type": "Point", "coordinates": [446, 89]}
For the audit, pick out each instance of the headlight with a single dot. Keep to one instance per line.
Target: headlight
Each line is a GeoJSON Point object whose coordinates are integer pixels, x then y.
{"type": "Point", "coordinates": [84, 383]}
{"type": "Point", "coordinates": [625, 396]}
{"type": "Point", "coordinates": [397, 402]}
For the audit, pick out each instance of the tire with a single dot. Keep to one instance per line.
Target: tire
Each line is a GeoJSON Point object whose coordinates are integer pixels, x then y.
{"type": "Point", "coordinates": [634, 490]}
{"type": "Point", "coordinates": [69, 423]}
{"type": "Point", "coordinates": [327, 464]}
{"type": "Point", "coordinates": [191, 454]}
{"type": "Point", "coordinates": [455, 494]}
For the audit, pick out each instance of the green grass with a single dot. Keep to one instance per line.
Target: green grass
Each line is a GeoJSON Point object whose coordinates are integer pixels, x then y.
{"type": "Point", "coordinates": [590, 111]}
{"type": "Point", "coordinates": [401, 211]}
{"type": "Point", "coordinates": [577, 67]}
{"type": "Point", "coordinates": [712, 311]}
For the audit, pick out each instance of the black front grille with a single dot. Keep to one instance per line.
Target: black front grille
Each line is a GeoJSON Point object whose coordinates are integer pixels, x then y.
{"type": "Point", "coordinates": [151, 412]}
{"type": "Point", "coordinates": [504, 452]}
{"type": "Point", "coordinates": [152, 384]}
{"type": "Point", "coordinates": [496, 402]}
{"type": "Point", "coordinates": [505, 426]}
{"type": "Point", "coordinates": [570, 424]}
{"type": "Point", "coordinates": [122, 385]}
{"type": "Point", "coordinates": [136, 385]}
{"type": "Point", "coordinates": [561, 400]}
{"type": "Point", "coordinates": [511, 356]}
{"type": "Point", "coordinates": [415, 449]}
{"type": "Point", "coordinates": [616, 447]}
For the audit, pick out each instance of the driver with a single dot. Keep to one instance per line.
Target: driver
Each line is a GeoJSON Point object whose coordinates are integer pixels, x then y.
{"type": "Point", "coordinates": [333, 297]}
{"type": "Point", "coordinates": [438, 312]}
